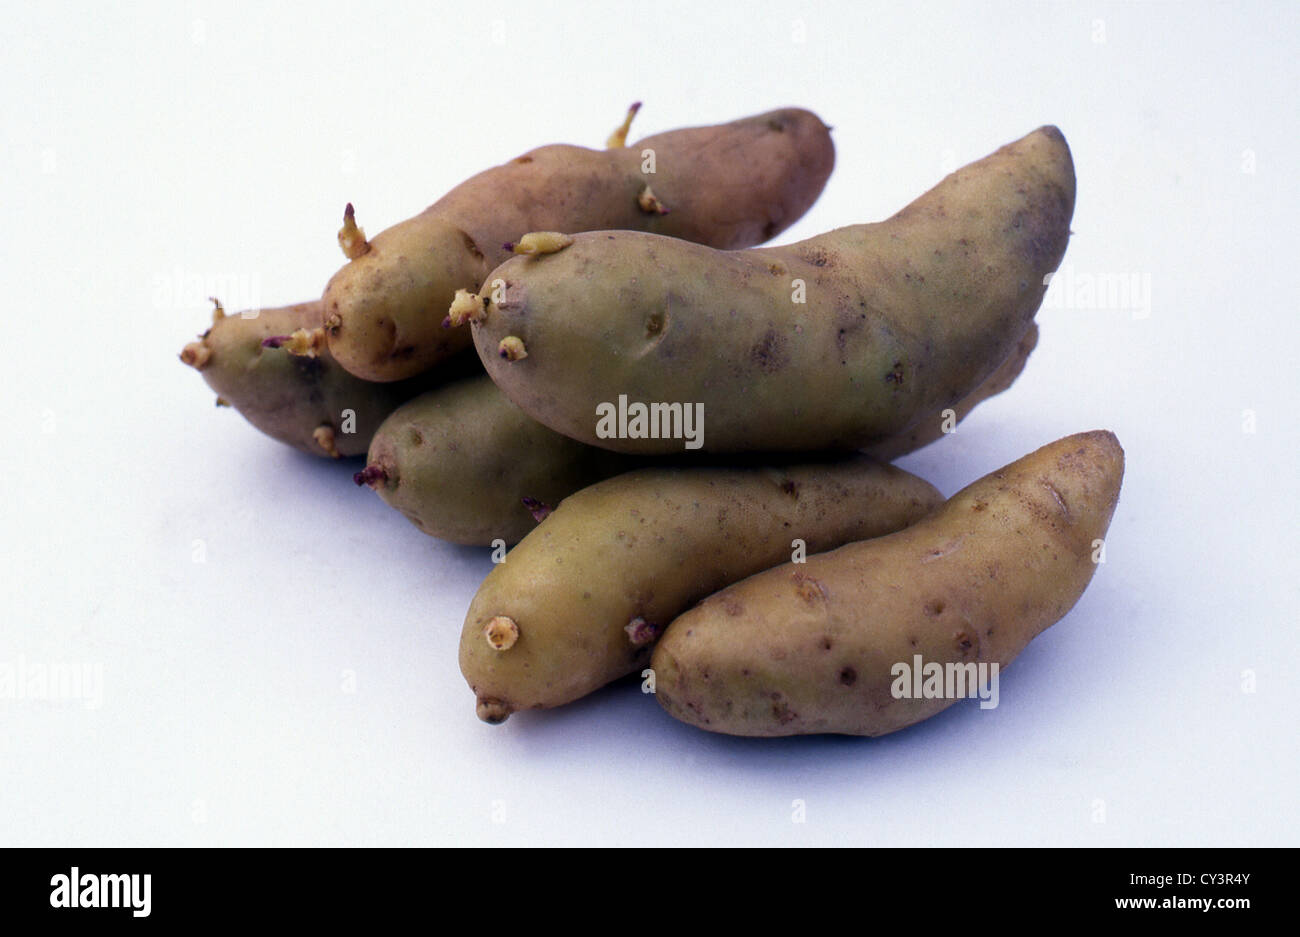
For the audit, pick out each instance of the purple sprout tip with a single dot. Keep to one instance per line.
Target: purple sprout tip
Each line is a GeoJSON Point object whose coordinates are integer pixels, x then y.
{"type": "Point", "coordinates": [539, 509]}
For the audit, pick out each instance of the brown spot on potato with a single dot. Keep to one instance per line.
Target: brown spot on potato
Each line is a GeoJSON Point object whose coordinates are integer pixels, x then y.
{"type": "Point", "coordinates": [963, 641]}
{"type": "Point", "coordinates": [895, 376]}
{"type": "Point", "coordinates": [808, 588]}
{"type": "Point", "coordinates": [770, 353]}
{"type": "Point", "coordinates": [471, 246]}
{"type": "Point", "coordinates": [934, 608]}
{"type": "Point", "coordinates": [731, 607]}
{"type": "Point", "coordinates": [827, 644]}
{"type": "Point", "coordinates": [782, 713]}
{"type": "Point", "coordinates": [848, 676]}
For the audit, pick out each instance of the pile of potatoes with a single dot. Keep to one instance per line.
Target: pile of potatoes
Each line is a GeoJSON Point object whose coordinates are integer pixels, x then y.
{"type": "Point", "coordinates": [687, 438]}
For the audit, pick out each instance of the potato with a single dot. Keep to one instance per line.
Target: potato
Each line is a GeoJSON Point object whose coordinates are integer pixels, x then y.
{"type": "Point", "coordinates": [731, 185]}
{"type": "Point", "coordinates": [927, 430]}
{"type": "Point", "coordinates": [812, 647]}
{"type": "Point", "coordinates": [464, 464]}
{"type": "Point", "coordinates": [580, 601]}
{"type": "Point", "coordinates": [839, 341]}
{"type": "Point", "coordinates": [309, 403]}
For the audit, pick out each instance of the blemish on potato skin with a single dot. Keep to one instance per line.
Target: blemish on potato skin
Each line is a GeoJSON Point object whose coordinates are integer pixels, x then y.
{"type": "Point", "coordinates": [818, 257]}
{"type": "Point", "coordinates": [808, 588]}
{"type": "Point", "coordinates": [781, 711]}
{"type": "Point", "coordinates": [769, 354]}
{"type": "Point", "coordinates": [1056, 495]}
{"type": "Point", "coordinates": [642, 633]}
{"type": "Point", "coordinates": [471, 246]}
{"type": "Point", "coordinates": [848, 676]}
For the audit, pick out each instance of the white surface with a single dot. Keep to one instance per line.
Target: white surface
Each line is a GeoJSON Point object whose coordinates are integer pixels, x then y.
{"type": "Point", "coordinates": [205, 142]}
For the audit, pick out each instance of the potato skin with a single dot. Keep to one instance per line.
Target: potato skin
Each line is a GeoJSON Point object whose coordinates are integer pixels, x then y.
{"type": "Point", "coordinates": [803, 649]}
{"type": "Point", "coordinates": [458, 461]}
{"type": "Point", "coordinates": [290, 397]}
{"type": "Point", "coordinates": [930, 428]}
{"type": "Point", "coordinates": [638, 549]}
{"type": "Point", "coordinates": [901, 318]}
{"type": "Point", "coordinates": [730, 185]}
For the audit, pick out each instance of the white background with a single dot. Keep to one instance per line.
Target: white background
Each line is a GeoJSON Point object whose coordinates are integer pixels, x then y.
{"type": "Point", "coordinates": [156, 151]}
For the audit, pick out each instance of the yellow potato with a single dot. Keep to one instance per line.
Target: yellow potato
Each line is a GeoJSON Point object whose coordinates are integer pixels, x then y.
{"type": "Point", "coordinates": [816, 647]}
{"type": "Point", "coordinates": [581, 599]}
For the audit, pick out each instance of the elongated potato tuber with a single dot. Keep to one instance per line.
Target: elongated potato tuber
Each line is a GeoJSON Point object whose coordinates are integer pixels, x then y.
{"type": "Point", "coordinates": [730, 185]}
{"type": "Point", "coordinates": [464, 464]}
{"type": "Point", "coordinates": [308, 402]}
{"type": "Point", "coordinates": [590, 589]}
{"type": "Point", "coordinates": [821, 646]}
{"type": "Point", "coordinates": [840, 341]}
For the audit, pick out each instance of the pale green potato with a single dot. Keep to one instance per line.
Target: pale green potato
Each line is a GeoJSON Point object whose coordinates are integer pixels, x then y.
{"type": "Point", "coordinates": [464, 464]}
{"type": "Point", "coordinates": [309, 403]}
